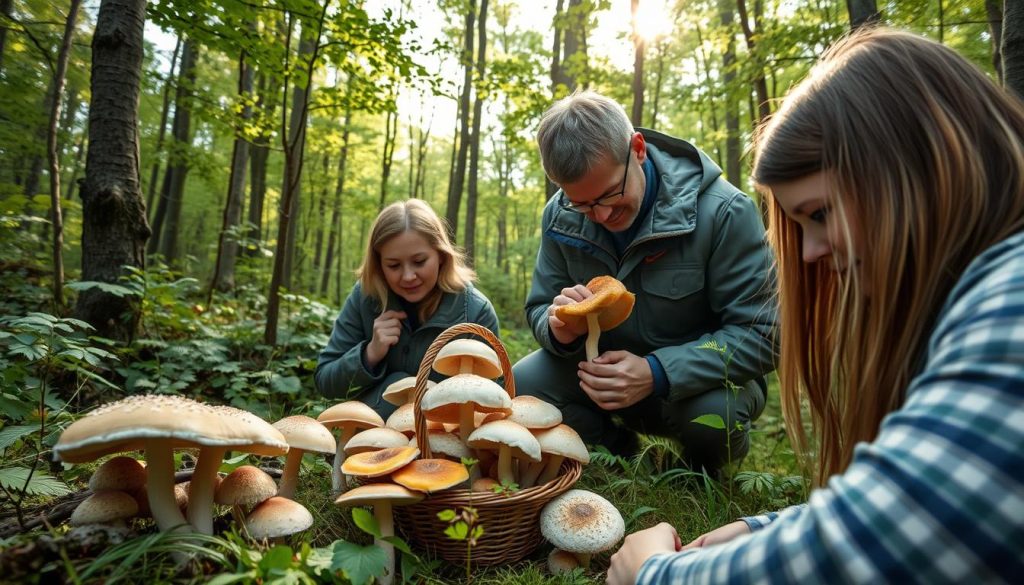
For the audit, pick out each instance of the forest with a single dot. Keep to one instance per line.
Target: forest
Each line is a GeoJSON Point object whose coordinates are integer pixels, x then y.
{"type": "Point", "coordinates": [187, 186]}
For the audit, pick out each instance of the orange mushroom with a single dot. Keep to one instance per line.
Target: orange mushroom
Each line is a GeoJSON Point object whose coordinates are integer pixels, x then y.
{"type": "Point", "coordinates": [607, 309]}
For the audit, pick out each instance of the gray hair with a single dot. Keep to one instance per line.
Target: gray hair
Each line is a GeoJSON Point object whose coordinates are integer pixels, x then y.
{"type": "Point", "coordinates": [579, 131]}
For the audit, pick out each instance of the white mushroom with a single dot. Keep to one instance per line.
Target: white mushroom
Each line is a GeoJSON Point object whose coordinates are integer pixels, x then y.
{"type": "Point", "coordinates": [303, 434]}
{"type": "Point", "coordinates": [382, 497]}
{"type": "Point", "coordinates": [511, 440]}
{"type": "Point", "coordinates": [582, 523]}
{"type": "Point", "coordinates": [349, 417]}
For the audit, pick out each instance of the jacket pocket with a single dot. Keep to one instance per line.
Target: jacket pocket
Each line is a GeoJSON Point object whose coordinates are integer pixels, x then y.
{"type": "Point", "coordinates": [672, 282]}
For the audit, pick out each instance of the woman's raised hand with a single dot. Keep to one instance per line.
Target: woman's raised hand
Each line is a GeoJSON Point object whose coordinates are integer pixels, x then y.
{"type": "Point", "coordinates": [386, 330]}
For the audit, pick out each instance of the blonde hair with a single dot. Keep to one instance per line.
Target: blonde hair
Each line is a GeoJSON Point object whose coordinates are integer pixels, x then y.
{"type": "Point", "coordinates": [415, 215]}
{"type": "Point", "coordinates": [925, 153]}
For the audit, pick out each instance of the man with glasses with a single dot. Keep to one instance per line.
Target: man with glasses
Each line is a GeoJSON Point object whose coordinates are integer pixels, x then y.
{"type": "Point", "coordinates": [654, 212]}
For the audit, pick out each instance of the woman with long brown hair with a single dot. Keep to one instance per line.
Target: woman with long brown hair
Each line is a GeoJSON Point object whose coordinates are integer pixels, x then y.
{"type": "Point", "coordinates": [895, 180]}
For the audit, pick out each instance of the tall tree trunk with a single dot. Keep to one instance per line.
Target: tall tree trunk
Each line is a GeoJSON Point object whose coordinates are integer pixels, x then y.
{"type": "Point", "coordinates": [1013, 46]}
{"type": "Point", "coordinates": [76, 167]}
{"type": "Point", "coordinates": [335, 235]}
{"type": "Point", "coordinates": [164, 111]}
{"type": "Point", "coordinates": [321, 216]}
{"type": "Point", "coordinates": [473, 194]}
{"type": "Point", "coordinates": [732, 114]}
{"type": "Point", "coordinates": [259, 152]}
{"type": "Point", "coordinates": [994, 10]}
{"type": "Point", "coordinates": [38, 158]}
{"type": "Point", "coordinates": [574, 37]}
{"type": "Point", "coordinates": [54, 155]}
{"type": "Point", "coordinates": [227, 249]}
{"type": "Point", "coordinates": [639, 47]}
{"type": "Point", "coordinates": [388, 152]}
{"type": "Point", "coordinates": [559, 80]}
{"type": "Point", "coordinates": [294, 147]}
{"type": "Point", "coordinates": [176, 152]}
{"type": "Point", "coordinates": [456, 185]}
{"type": "Point", "coordinates": [5, 10]}
{"type": "Point", "coordinates": [114, 228]}
{"type": "Point", "coordinates": [178, 169]}
{"type": "Point", "coordinates": [862, 12]}
{"type": "Point", "coordinates": [764, 106]}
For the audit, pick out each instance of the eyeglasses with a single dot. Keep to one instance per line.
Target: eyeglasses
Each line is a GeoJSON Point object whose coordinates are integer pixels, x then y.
{"type": "Point", "coordinates": [603, 201]}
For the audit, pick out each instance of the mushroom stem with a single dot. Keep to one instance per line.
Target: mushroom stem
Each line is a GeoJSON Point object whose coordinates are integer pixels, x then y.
{"type": "Point", "coordinates": [505, 466]}
{"type": "Point", "coordinates": [533, 471]}
{"type": "Point", "coordinates": [466, 422]}
{"type": "Point", "coordinates": [551, 470]}
{"type": "Point", "coordinates": [160, 488]}
{"type": "Point", "coordinates": [290, 475]}
{"type": "Point", "coordinates": [200, 501]}
{"type": "Point", "coordinates": [593, 334]}
{"type": "Point", "coordinates": [466, 364]}
{"type": "Point", "coordinates": [584, 559]}
{"type": "Point", "coordinates": [338, 482]}
{"type": "Point", "coordinates": [385, 520]}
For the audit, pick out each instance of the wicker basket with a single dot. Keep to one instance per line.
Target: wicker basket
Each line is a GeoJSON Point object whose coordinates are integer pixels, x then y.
{"type": "Point", "coordinates": [511, 522]}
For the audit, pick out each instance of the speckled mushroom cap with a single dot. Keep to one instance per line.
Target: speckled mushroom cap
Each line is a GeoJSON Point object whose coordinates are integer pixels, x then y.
{"type": "Point", "coordinates": [431, 475]}
{"type": "Point", "coordinates": [245, 486]}
{"type": "Point", "coordinates": [306, 433]}
{"type": "Point", "coordinates": [350, 414]}
{"type": "Point", "coordinates": [401, 392]}
{"type": "Point", "coordinates": [126, 425]}
{"type": "Point", "coordinates": [403, 420]}
{"type": "Point", "coordinates": [581, 522]}
{"type": "Point", "coordinates": [447, 444]}
{"type": "Point", "coordinates": [562, 440]}
{"type": "Point", "coordinates": [103, 507]}
{"type": "Point", "coordinates": [378, 463]}
{"type": "Point", "coordinates": [277, 517]}
{"type": "Point", "coordinates": [367, 495]}
{"type": "Point", "coordinates": [118, 473]}
{"type": "Point", "coordinates": [441, 403]}
{"type": "Point", "coordinates": [611, 301]}
{"type": "Point", "coordinates": [534, 413]}
{"type": "Point", "coordinates": [484, 360]}
{"type": "Point", "coordinates": [374, 439]}
{"type": "Point", "coordinates": [505, 432]}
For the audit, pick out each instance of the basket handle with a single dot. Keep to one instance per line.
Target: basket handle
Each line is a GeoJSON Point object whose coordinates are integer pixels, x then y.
{"type": "Point", "coordinates": [422, 437]}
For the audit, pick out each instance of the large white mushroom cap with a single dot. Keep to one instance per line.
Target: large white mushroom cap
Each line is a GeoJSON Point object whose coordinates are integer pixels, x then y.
{"type": "Point", "coordinates": [518, 438]}
{"type": "Point", "coordinates": [534, 413]}
{"type": "Point", "coordinates": [306, 433]}
{"type": "Point", "coordinates": [442, 402]}
{"type": "Point", "coordinates": [477, 357]}
{"type": "Point", "coordinates": [277, 517]}
{"type": "Point", "coordinates": [582, 522]}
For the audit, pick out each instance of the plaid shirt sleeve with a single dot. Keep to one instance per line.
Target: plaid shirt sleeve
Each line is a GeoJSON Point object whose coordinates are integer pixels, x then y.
{"type": "Point", "coordinates": [938, 496]}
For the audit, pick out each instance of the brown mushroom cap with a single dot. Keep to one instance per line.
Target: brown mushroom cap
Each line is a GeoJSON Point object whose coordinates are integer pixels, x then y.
{"type": "Point", "coordinates": [483, 360]}
{"type": "Point", "coordinates": [306, 433]}
{"type": "Point", "coordinates": [378, 463]}
{"type": "Point", "coordinates": [245, 486]}
{"type": "Point", "coordinates": [277, 517]}
{"type": "Point", "coordinates": [534, 413]}
{"type": "Point", "coordinates": [581, 522]}
{"type": "Point", "coordinates": [431, 475]}
{"type": "Point", "coordinates": [375, 439]}
{"type": "Point", "coordinates": [611, 301]}
{"type": "Point", "coordinates": [103, 507]}
{"type": "Point", "coordinates": [442, 402]}
{"type": "Point", "coordinates": [118, 473]}
{"type": "Point", "coordinates": [560, 561]}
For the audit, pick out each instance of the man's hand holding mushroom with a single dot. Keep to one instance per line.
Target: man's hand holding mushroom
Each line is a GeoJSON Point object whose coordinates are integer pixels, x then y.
{"type": "Point", "coordinates": [567, 332]}
{"type": "Point", "coordinates": [616, 379]}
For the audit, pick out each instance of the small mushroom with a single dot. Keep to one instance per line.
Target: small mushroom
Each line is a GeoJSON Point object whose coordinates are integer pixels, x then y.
{"type": "Point", "coordinates": [556, 444]}
{"type": "Point", "coordinates": [244, 488]}
{"type": "Point", "coordinates": [534, 413]}
{"type": "Point", "coordinates": [431, 475]}
{"type": "Point", "coordinates": [403, 420]}
{"type": "Point", "coordinates": [511, 440]}
{"type": "Point", "coordinates": [607, 309]}
{"type": "Point", "coordinates": [303, 434]}
{"type": "Point", "coordinates": [582, 523]}
{"type": "Point", "coordinates": [349, 417]}
{"type": "Point", "coordinates": [109, 507]}
{"type": "Point", "coordinates": [560, 561]}
{"type": "Point", "coordinates": [378, 463]}
{"type": "Point", "coordinates": [447, 444]}
{"type": "Point", "coordinates": [121, 473]}
{"type": "Point", "coordinates": [375, 440]}
{"type": "Point", "coordinates": [276, 518]}
{"type": "Point", "coordinates": [402, 391]}
{"type": "Point", "coordinates": [468, 356]}
{"type": "Point", "coordinates": [382, 497]}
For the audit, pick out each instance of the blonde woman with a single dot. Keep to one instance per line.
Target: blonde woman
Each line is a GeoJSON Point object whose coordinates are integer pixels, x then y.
{"type": "Point", "coordinates": [413, 284]}
{"type": "Point", "coordinates": [895, 176]}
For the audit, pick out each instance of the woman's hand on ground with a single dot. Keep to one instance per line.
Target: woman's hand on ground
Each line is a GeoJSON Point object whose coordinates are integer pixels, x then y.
{"type": "Point", "coordinates": [637, 548]}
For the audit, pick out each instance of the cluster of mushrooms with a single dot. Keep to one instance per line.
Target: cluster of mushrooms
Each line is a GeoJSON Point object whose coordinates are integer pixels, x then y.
{"type": "Point", "coordinates": [157, 425]}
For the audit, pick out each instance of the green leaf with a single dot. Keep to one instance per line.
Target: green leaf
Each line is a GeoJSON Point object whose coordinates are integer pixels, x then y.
{"type": "Point", "coordinates": [710, 420]}
{"type": "Point", "coordinates": [446, 515]}
{"type": "Point", "coordinates": [227, 579]}
{"type": "Point", "coordinates": [285, 384]}
{"type": "Point", "coordinates": [14, 407]}
{"type": "Point", "coordinates": [457, 531]}
{"type": "Point", "coordinates": [9, 435]}
{"type": "Point", "coordinates": [277, 558]}
{"type": "Point", "coordinates": [113, 289]}
{"type": "Point", "coordinates": [399, 544]}
{"type": "Point", "coordinates": [41, 484]}
{"type": "Point", "coordinates": [360, 563]}
{"type": "Point", "coordinates": [366, 522]}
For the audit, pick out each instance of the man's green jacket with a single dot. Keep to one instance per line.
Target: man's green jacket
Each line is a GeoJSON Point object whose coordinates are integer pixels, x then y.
{"type": "Point", "coordinates": [699, 266]}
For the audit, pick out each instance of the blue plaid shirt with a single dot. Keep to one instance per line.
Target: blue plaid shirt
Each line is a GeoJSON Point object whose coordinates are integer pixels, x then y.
{"type": "Point", "coordinates": [938, 496]}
